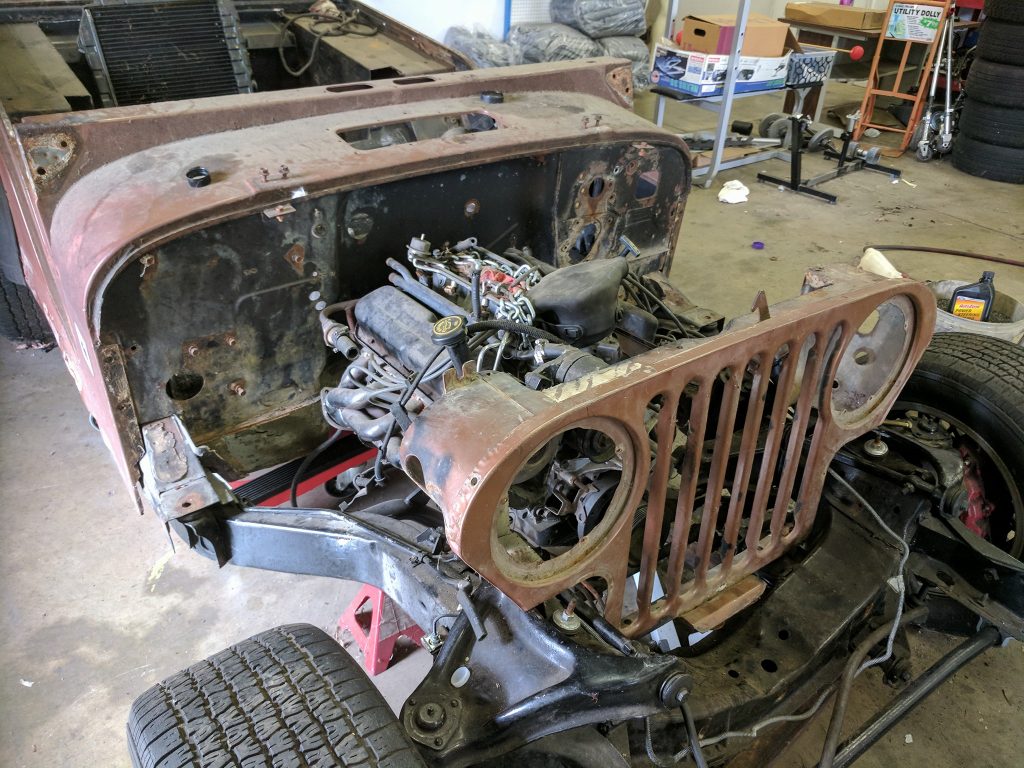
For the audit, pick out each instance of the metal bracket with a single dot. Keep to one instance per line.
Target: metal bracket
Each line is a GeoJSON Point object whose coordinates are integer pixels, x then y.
{"type": "Point", "coordinates": [173, 478]}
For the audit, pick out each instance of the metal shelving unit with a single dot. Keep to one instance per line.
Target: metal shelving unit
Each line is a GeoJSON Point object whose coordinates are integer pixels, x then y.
{"type": "Point", "coordinates": [722, 104]}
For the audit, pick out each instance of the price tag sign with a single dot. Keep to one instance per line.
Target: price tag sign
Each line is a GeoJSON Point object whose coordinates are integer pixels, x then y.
{"type": "Point", "coordinates": [917, 23]}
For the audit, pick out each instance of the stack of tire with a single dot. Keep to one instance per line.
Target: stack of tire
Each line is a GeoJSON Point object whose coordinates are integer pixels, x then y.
{"type": "Point", "coordinates": [991, 139]}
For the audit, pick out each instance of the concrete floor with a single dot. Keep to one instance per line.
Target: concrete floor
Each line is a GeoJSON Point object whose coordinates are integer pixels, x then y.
{"type": "Point", "coordinates": [96, 607]}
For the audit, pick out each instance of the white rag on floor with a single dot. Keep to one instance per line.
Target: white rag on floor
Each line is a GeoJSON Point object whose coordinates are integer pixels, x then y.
{"type": "Point", "coordinates": [733, 192]}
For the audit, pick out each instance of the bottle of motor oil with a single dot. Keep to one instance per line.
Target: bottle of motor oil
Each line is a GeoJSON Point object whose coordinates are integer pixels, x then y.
{"type": "Point", "coordinates": [974, 302]}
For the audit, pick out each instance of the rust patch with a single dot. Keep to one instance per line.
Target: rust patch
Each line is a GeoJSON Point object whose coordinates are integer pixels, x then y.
{"type": "Point", "coordinates": [122, 405]}
{"type": "Point", "coordinates": [48, 154]}
{"type": "Point", "coordinates": [296, 258]}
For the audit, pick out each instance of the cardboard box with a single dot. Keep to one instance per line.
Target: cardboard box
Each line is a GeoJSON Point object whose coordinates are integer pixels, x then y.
{"type": "Point", "coordinates": [831, 15]}
{"type": "Point", "coordinates": [694, 73]}
{"type": "Point", "coordinates": [715, 33]}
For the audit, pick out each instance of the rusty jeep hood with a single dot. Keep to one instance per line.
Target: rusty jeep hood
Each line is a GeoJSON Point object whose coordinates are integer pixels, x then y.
{"type": "Point", "coordinates": [103, 210]}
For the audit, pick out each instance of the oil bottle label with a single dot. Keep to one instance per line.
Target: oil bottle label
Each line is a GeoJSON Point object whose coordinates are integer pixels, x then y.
{"type": "Point", "coordinates": [969, 309]}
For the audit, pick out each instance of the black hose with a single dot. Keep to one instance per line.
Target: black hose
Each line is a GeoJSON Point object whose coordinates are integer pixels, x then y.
{"type": "Point", "coordinates": [432, 299]}
{"type": "Point", "coordinates": [530, 260]}
{"type": "Point", "coordinates": [514, 327]}
{"type": "Point", "coordinates": [378, 463]}
{"type": "Point", "coordinates": [691, 734]}
{"type": "Point", "coordinates": [400, 268]}
{"type": "Point", "coordinates": [475, 295]}
{"type": "Point", "coordinates": [304, 466]}
{"type": "Point", "coordinates": [835, 726]}
{"type": "Point", "coordinates": [949, 252]}
{"type": "Point", "coordinates": [340, 25]}
{"type": "Point", "coordinates": [638, 283]}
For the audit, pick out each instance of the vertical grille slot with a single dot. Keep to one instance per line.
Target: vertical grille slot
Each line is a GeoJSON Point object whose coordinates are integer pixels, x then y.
{"type": "Point", "coordinates": [748, 481]}
{"type": "Point", "coordinates": [747, 458]}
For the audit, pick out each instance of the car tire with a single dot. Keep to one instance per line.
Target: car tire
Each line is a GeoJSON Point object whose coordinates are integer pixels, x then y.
{"type": "Point", "coordinates": [994, 83]}
{"type": "Point", "coordinates": [979, 381]}
{"type": "Point", "coordinates": [21, 320]}
{"type": "Point", "coordinates": [988, 161]}
{"type": "Point", "coordinates": [1002, 126]}
{"type": "Point", "coordinates": [1002, 41]}
{"type": "Point", "coordinates": [287, 696]}
{"type": "Point", "coordinates": [1005, 10]}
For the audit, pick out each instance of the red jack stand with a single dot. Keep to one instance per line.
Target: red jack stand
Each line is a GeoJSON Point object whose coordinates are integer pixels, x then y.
{"type": "Point", "coordinates": [387, 623]}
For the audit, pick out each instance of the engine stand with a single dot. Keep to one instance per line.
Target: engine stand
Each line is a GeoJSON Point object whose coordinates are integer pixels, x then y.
{"type": "Point", "coordinates": [387, 623]}
{"type": "Point", "coordinates": [847, 161]}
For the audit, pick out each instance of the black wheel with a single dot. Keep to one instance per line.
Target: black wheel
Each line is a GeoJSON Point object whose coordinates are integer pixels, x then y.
{"type": "Point", "coordinates": [1003, 126]}
{"type": "Point", "coordinates": [1005, 10]}
{"type": "Point", "coordinates": [988, 161]}
{"type": "Point", "coordinates": [20, 317]}
{"type": "Point", "coordinates": [1002, 41]}
{"type": "Point", "coordinates": [287, 696]}
{"type": "Point", "coordinates": [969, 389]}
{"type": "Point", "coordinates": [994, 83]}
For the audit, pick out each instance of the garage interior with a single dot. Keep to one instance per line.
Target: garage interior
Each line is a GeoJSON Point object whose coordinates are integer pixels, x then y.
{"type": "Point", "coordinates": [98, 605]}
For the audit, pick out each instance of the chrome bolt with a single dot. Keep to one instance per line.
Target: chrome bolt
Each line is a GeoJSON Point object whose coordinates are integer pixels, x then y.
{"type": "Point", "coordinates": [876, 447]}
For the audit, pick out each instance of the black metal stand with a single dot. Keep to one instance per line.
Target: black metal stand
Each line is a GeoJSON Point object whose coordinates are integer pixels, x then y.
{"type": "Point", "coordinates": [844, 165]}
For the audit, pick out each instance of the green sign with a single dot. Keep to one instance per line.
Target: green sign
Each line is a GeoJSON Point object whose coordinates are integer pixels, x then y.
{"type": "Point", "coordinates": [918, 23]}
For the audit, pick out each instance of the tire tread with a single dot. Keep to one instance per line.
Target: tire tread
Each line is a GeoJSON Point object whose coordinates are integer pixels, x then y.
{"type": "Point", "coordinates": [995, 83]}
{"type": "Point", "coordinates": [1002, 42]}
{"type": "Point", "coordinates": [1005, 10]}
{"type": "Point", "coordinates": [991, 368]}
{"type": "Point", "coordinates": [20, 316]}
{"type": "Point", "coordinates": [988, 161]}
{"type": "Point", "coordinates": [1002, 126]}
{"type": "Point", "coordinates": [286, 697]}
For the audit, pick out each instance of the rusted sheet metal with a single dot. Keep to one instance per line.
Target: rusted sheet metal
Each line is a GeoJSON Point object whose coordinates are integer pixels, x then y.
{"type": "Point", "coordinates": [105, 135]}
{"type": "Point", "coordinates": [123, 190]}
{"type": "Point", "coordinates": [465, 450]}
{"type": "Point", "coordinates": [414, 40]}
{"type": "Point", "coordinates": [176, 481]}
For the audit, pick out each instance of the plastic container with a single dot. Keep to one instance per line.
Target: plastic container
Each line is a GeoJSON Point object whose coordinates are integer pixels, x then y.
{"type": "Point", "coordinates": [1006, 316]}
{"type": "Point", "coordinates": [974, 301]}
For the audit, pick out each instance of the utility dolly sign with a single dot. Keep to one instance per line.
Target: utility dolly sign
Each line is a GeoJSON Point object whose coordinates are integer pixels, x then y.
{"type": "Point", "coordinates": [917, 23]}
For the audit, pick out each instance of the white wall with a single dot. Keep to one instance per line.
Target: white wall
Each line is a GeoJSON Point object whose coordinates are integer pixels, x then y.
{"type": "Point", "coordinates": [433, 17]}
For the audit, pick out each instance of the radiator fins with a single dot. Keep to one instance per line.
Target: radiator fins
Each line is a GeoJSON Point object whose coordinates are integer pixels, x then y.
{"type": "Point", "coordinates": [142, 52]}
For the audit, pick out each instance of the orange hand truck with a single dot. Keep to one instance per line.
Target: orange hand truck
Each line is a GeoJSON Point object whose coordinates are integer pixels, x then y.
{"type": "Point", "coordinates": [914, 24]}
